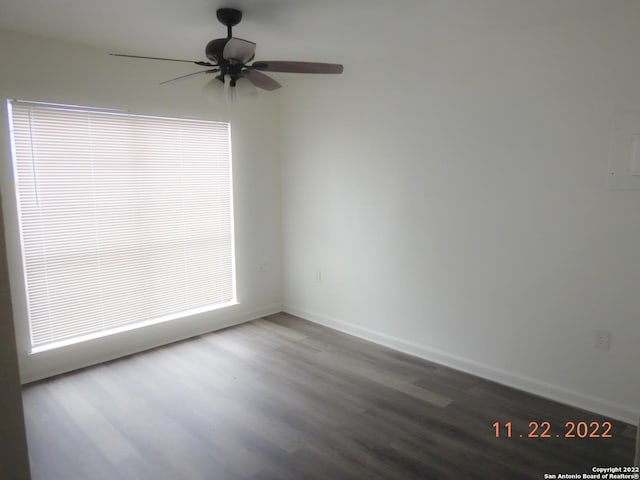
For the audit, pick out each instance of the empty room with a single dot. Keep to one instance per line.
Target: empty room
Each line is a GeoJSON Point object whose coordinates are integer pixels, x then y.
{"type": "Point", "coordinates": [293, 239]}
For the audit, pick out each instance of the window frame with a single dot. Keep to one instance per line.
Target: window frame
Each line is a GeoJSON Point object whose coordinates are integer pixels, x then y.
{"type": "Point", "coordinates": [14, 239]}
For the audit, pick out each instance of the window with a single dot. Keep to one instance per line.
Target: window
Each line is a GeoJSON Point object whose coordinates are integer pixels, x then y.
{"type": "Point", "coordinates": [125, 220]}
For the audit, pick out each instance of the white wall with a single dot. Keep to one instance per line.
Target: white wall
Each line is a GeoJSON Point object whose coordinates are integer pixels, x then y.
{"type": "Point", "coordinates": [455, 199]}
{"type": "Point", "coordinates": [45, 70]}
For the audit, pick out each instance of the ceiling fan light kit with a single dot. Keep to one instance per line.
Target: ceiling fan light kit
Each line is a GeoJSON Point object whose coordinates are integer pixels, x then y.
{"type": "Point", "coordinates": [229, 58]}
{"type": "Point", "coordinates": [221, 92]}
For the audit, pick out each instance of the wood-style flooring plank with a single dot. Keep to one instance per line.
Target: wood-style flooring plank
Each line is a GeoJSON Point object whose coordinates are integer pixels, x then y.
{"type": "Point", "coordinates": [281, 398]}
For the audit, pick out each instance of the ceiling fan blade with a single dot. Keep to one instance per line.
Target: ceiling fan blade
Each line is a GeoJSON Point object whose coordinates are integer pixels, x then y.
{"type": "Point", "coordinates": [261, 80]}
{"type": "Point", "coordinates": [190, 75]}
{"type": "Point", "coordinates": [297, 67]}
{"type": "Point", "coordinates": [239, 49]}
{"type": "Point", "coordinates": [204, 64]}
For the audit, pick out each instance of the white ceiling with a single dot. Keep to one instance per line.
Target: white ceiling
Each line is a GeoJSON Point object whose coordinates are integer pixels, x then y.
{"type": "Point", "coordinates": [315, 30]}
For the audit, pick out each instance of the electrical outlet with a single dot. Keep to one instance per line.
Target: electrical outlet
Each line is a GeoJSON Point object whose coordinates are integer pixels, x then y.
{"type": "Point", "coordinates": [603, 339]}
{"type": "Point", "coordinates": [317, 278]}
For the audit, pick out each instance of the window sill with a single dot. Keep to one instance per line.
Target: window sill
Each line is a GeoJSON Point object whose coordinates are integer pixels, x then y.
{"type": "Point", "coordinates": [133, 326]}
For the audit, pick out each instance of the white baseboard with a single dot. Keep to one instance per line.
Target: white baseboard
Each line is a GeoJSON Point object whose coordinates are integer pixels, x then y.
{"type": "Point", "coordinates": [591, 403]}
{"type": "Point", "coordinates": [246, 317]}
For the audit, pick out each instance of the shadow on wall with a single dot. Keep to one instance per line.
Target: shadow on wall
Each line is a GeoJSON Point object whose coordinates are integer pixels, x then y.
{"type": "Point", "coordinates": [637, 462]}
{"type": "Point", "coordinates": [14, 460]}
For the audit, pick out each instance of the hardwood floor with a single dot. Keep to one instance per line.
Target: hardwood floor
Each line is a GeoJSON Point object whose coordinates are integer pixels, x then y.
{"type": "Point", "coordinates": [282, 398]}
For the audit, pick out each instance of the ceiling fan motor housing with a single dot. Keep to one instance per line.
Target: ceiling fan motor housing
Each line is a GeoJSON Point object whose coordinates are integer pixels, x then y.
{"type": "Point", "coordinates": [215, 48]}
{"type": "Point", "coordinates": [227, 67]}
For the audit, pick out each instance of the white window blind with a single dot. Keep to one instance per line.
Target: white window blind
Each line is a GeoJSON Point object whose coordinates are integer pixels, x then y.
{"type": "Point", "coordinates": [125, 220]}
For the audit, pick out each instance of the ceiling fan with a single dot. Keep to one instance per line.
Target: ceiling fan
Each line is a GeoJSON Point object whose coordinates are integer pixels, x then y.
{"type": "Point", "coordinates": [229, 58]}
